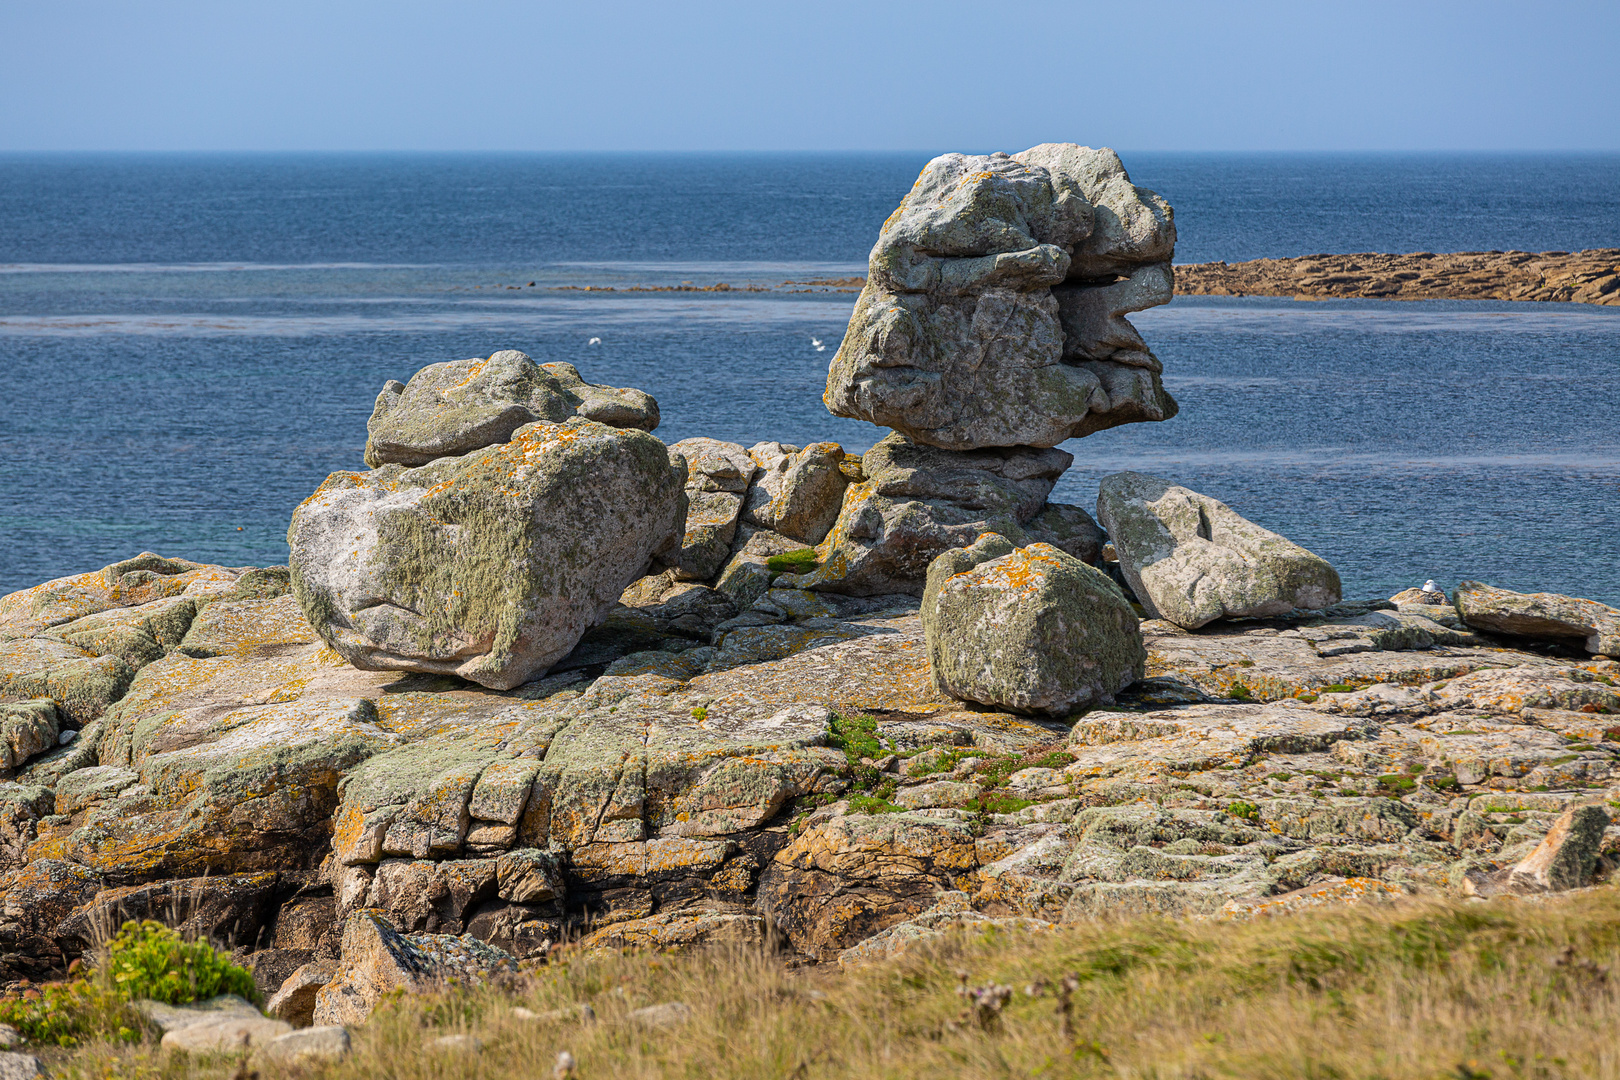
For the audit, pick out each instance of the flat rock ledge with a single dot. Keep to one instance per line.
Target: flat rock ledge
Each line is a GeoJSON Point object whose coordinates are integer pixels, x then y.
{"type": "Point", "coordinates": [691, 775]}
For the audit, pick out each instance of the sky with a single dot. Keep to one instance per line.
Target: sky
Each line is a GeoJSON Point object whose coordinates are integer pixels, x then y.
{"type": "Point", "coordinates": [600, 75]}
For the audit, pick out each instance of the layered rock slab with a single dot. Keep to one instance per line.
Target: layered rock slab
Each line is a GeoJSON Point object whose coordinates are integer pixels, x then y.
{"type": "Point", "coordinates": [1543, 616]}
{"type": "Point", "coordinates": [461, 405]}
{"type": "Point", "coordinates": [489, 566]}
{"type": "Point", "coordinates": [918, 501]}
{"type": "Point", "coordinates": [957, 339]}
{"type": "Point", "coordinates": [1191, 559]}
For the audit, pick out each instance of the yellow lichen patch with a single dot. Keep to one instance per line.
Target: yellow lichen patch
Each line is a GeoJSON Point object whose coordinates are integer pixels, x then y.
{"type": "Point", "coordinates": [242, 627]}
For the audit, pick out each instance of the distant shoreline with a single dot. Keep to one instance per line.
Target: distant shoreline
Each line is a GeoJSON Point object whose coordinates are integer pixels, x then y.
{"type": "Point", "coordinates": [1582, 277]}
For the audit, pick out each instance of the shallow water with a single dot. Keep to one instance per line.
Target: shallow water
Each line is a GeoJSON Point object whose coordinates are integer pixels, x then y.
{"type": "Point", "coordinates": [164, 397]}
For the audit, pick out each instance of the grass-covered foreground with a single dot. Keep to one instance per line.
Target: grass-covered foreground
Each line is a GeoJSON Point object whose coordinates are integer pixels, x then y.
{"type": "Point", "coordinates": [1504, 989]}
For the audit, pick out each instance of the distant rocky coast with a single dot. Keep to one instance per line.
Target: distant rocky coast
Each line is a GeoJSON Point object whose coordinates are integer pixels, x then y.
{"type": "Point", "coordinates": [1581, 277]}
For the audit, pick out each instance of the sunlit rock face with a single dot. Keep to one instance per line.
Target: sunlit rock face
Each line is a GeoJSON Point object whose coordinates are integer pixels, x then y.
{"type": "Point", "coordinates": [993, 313]}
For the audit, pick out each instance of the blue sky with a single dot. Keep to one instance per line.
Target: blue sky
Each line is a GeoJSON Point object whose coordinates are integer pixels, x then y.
{"type": "Point", "coordinates": [832, 75]}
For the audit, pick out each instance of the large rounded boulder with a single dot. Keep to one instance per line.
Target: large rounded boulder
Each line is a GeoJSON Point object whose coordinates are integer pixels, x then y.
{"type": "Point", "coordinates": [1030, 629]}
{"type": "Point", "coordinates": [491, 565]}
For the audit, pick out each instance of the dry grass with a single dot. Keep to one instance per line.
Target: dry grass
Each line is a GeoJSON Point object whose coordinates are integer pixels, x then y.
{"type": "Point", "coordinates": [1505, 989]}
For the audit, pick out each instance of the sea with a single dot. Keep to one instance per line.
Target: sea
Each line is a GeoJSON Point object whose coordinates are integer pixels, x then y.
{"type": "Point", "coordinates": [189, 344]}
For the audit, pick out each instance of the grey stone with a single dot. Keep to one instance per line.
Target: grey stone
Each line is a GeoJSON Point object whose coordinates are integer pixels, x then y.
{"type": "Point", "coordinates": [1544, 616]}
{"type": "Point", "coordinates": [27, 728]}
{"type": "Point", "coordinates": [461, 405]}
{"type": "Point", "coordinates": [718, 475]}
{"type": "Point", "coordinates": [167, 1018]}
{"type": "Point", "coordinates": [1191, 559]}
{"type": "Point", "coordinates": [1030, 629]}
{"type": "Point", "coordinates": [957, 339]}
{"type": "Point", "coordinates": [797, 492]}
{"type": "Point", "coordinates": [489, 566]}
{"type": "Point", "coordinates": [667, 1014]}
{"type": "Point", "coordinates": [919, 501]}
{"type": "Point", "coordinates": [318, 1043]}
{"type": "Point", "coordinates": [19, 1066]}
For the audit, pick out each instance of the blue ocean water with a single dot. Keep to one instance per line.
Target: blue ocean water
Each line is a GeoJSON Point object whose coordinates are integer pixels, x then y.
{"type": "Point", "coordinates": [189, 344]}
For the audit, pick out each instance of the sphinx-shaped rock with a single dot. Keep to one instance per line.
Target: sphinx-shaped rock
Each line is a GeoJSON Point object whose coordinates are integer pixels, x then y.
{"type": "Point", "coordinates": [918, 501]}
{"type": "Point", "coordinates": [461, 405]}
{"type": "Point", "coordinates": [1191, 559]}
{"type": "Point", "coordinates": [1029, 629]}
{"type": "Point", "coordinates": [489, 566]}
{"type": "Point", "coordinates": [960, 340]}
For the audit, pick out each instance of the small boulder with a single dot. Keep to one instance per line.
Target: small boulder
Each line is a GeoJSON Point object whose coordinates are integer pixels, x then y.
{"type": "Point", "coordinates": [489, 566]}
{"type": "Point", "coordinates": [1191, 559]}
{"type": "Point", "coordinates": [797, 492]}
{"type": "Point", "coordinates": [1029, 629]}
{"type": "Point", "coordinates": [718, 475]}
{"type": "Point", "coordinates": [1584, 624]}
{"type": "Point", "coordinates": [310, 1044]}
{"type": "Point", "coordinates": [377, 959]}
{"type": "Point", "coordinates": [461, 405]}
{"type": "Point", "coordinates": [295, 1001]}
{"type": "Point", "coordinates": [1568, 854]}
{"type": "Point", "coordinates": [19, 1066]}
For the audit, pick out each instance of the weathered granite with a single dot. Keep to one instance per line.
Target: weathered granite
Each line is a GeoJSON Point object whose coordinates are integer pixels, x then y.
{"type": "Point", "coordinates": [1191, 559]}
{"type": "Point", "coordinates": [490, 566]}
{"type": "Point", "coordinates": [958, 339]}
{"type": "Point", "coordinates": [459, 406]}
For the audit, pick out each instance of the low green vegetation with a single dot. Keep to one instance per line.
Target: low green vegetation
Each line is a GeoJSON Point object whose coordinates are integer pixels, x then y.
{"type": "Point", "coordinates": [801, 561]}
{"type": "Point", "coordinates": [146, 960]}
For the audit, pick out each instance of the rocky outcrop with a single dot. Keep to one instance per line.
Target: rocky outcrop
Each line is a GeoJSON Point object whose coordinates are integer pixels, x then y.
{"type": "Point", "coordinates": [460, 406]}
{"type": "Point", "coordinates": [1028, 629]}
{"type": "Point", "coordinates": [492, 565]}
{"type": "Point", "coordinates": [717, 480]}
{"type": "Point", "coordinates": [378, 960]}
{"type": "Point", "coordinates": [993, 308]}
{"type": "Point", "coordinates": [1581, 277]}
{"type": "Point", "coordinates": [1585, 624]}
{"type": "Point", "coordinates": [1191, 559]}
{"type": "Point", "coordinates": [918, 501]}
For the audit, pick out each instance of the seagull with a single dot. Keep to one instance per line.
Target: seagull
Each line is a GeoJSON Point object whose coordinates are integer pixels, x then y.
{"type": "Point", "coordinates": [819, 346]}
{"type": "Point", "coordinates": [1430, 586]}
{"type": "Point", "coordinates": [594, 341]}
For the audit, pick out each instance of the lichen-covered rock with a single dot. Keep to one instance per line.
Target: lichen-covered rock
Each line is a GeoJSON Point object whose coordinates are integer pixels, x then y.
{"type": "Point", "coordinates": [490, 566]}
{"type": "Point", "coordinates": [377, 959]}
{"type": "Point", "coordinates": [958, 341]}
{"type": "Point", "coordinates": [26, 728]}
{"type": "Point", "coordinates": [461, 405]}
{"type": "Point", "coordinates": [1191, 559]}
{"type": "Point", "coordinates": [1544, 616]}
{"type": "Point", "coordinates": [129, 583]}
{"type": "Point", "coordinates": [918, 501]}
{"type": "Point", "coordinates": [718, 475]}
{"type": "Point", "coordinates": [797, 491]}
{"type": "Point", "coordinates": [1029, 629]}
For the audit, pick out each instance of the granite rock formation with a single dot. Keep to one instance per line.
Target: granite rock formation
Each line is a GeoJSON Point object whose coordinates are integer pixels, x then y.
{"type": "Point", "coordinates": [993, 308]}
{"type": "Point", "coordinates": [1191, 559]}
{"type": "Point", "coordinates": [490, 565]}
{"type": "Point", "coordinates": [459, 406]}
{"type": "Point", "coordinates": [1583, 624]}
{"type": "Point", "coordinates": [1030, 630]}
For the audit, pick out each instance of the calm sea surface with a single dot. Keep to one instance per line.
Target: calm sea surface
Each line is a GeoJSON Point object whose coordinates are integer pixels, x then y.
{"type": "Point", "coordinates": [188, 345]}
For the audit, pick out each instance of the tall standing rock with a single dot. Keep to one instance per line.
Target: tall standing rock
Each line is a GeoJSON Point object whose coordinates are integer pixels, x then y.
{"type": "Point", "coordinates": [993, 309]}
{"type": "Point", "coordinates": [1192, 559]}
{"type": "Point", "coordinates": [490, 566]}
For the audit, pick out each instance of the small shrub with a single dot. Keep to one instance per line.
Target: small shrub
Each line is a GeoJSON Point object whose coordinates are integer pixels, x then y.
{"type": "Point", "coordinates": [1244, 810]}
{"type": "Point", "coordinates": [1338, 688]}
{"type": "Point", "coordinates": [1240, 692]}
{"type": "Point", "coordinates": [64, 1013]}
{"type": "Point", "coordinates": [872, 804]}
{"type": "Point", "coordinates": [701, 713]}
{"type": "Point", "coordinates": [148, 960]}
{"type": "Point", "coordinates": [793, 562]}
{"type": "Point", "coordinates": [1397, 782]}
{"type": "Point", "coordinates": [997, 803]}
{"type": "Point", "coordinates": [856, 736]}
